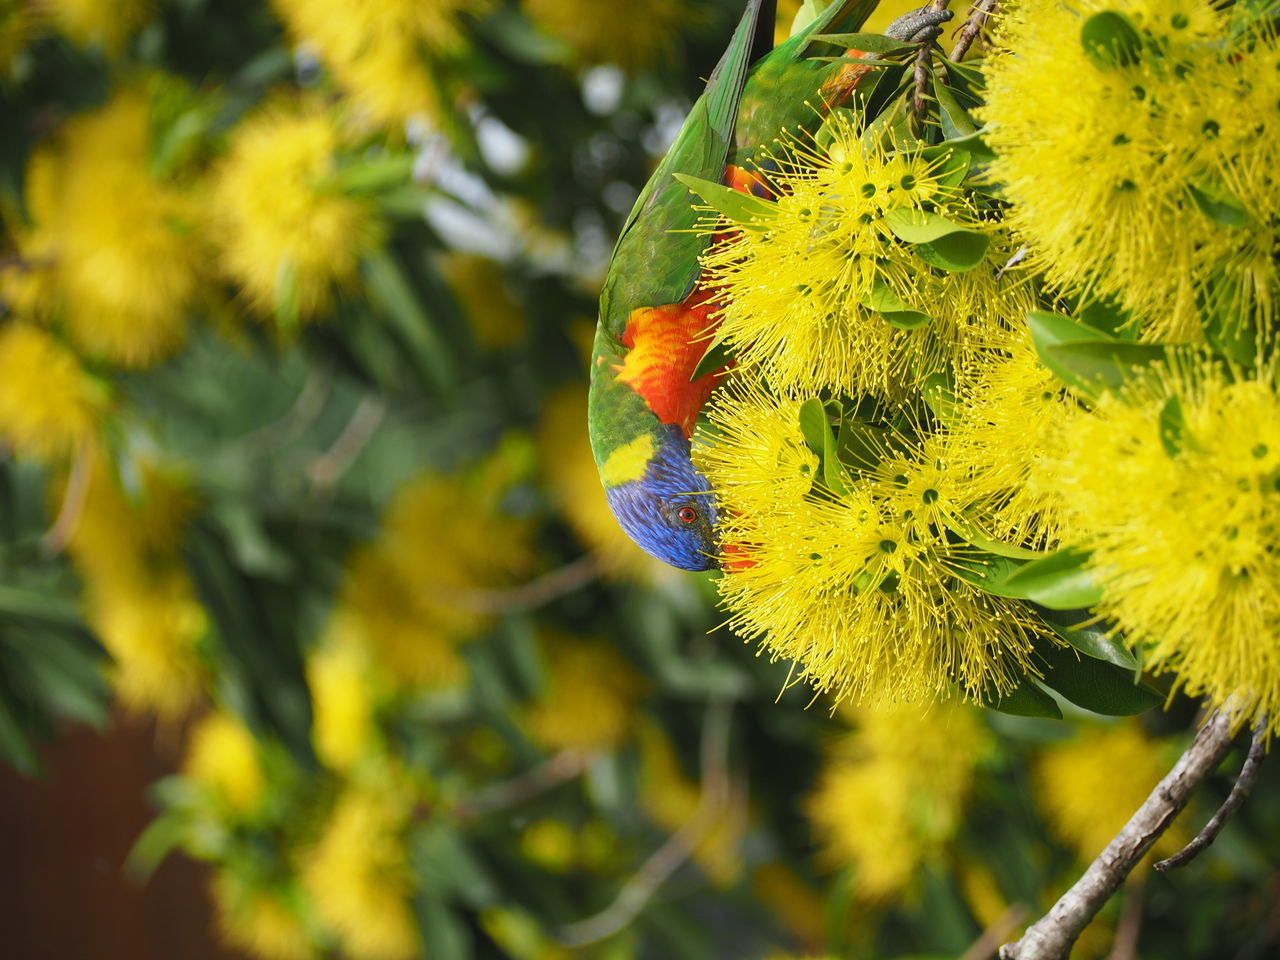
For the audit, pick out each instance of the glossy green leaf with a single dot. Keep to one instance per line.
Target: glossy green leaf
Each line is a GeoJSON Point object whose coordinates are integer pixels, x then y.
{"type": "Point", "coordinates": [973, 535]}
{"type": "Point", "coordinates": [955, 120]}
{"type": "Point", "coordinates": [1219, 205]}
{"type": "Point", "coordinates": [895, 311]}
{"type": "Point", "coordinates": [1095, 366]}
{"type": "Point", "coordinates": [1082, 631]}
{"type": "Point", "coordinates": [866, 42]}
{"type": "Point", "coordinates": [719, 354]}
{"type": "Point", "coordinates": [1025, 700]}
{"type": "Point", "coordinates": [814, 424]}
{"type": "Point", "coordinates": [1060, 581]}
{"type": "Point", "coordinates": [1110, 39]}
{"type": "Point", "coordinates": [973, 144]}
{"type": "Point", "coordinates": [1173, 428]}
{"type": "Point", "coordinates": [745, 209]}
{"type": "Point", "coordinates": [1096, 685]}
{"type": "Point", "coordinates": [939, 392]}
{"type": "Point", "coordinates": [1108, 317]}
{"type": "Point", "coordinates": [938, 241]}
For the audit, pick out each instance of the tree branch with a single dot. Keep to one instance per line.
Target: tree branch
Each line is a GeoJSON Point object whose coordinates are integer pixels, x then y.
{"type": "Point", "coordinates": [1249, 771]}
{"type": "Point", "coordinates": [978, 16]}
{"type": "Point", "coordinates": [1051, 937]}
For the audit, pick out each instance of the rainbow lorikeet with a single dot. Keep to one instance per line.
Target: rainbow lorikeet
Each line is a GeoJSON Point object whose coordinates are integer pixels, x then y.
{"type": "Point", "coordinates": [655, 317]}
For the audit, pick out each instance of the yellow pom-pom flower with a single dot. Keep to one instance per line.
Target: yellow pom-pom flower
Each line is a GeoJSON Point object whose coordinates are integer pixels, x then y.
{"type": "Point", "coordinates": [1175, 487]}
{"type": "Point", "coordinates": [382, 54]}
{"type": "Point", "coordinates": [893, 794]}
{"type": "Point", "coordinates": [288, 235]}
{"type": "Point", "coordinates": [804, 290]}
{"type": "Point", "coordinates": [50, 406]}
{"type": "Point", "coordinates": [111, 249]}
{"type": "Point", "coordinates": [1112, 185]}
{"type": "Point", "coordinates": [262, 921]}
{"type": "Point", "coordinates": [358, 876]}
{"type": "Point", "coordinates": [418, 591]}
{"type": "Point", "coordinates": [865, 590]}
{"type": "Point", "coordinates": [343, 729]}
{"type": "Point", "coordinates": [1089, 787]}
{"type": "Point", "coordinates": [222, 756]}
{"type": "Point", "coordinates": [590, 699]}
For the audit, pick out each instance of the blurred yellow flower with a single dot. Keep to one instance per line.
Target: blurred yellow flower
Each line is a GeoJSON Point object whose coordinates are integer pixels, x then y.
{"type": "Point", "coordinates": [791, 899]}
{"type": "Point", "coordinates": [520, 935]}
{"type": "Point", "coordinates": [50, 406]}
{"type": "Point", "coordinates": [259, 920]}
{"type": "Point", "coordinates": [598, 33]}
{"type": "Point", "coordinates": [139, 599]}
{"type": "Point", "coordinates": [151, 627]}
{"type": "Point", "coordinates": [342, 728]}
{"type": "Point", "coordinates": [892, 795]}
{"type": "Point", "coordinates": [551, 844]}
{"type": "Point", "coordinates": [287, 233]}
{"type": "Point", "coordinates": [574, 480]}
{"type": "Point", "coordinates": [358, 876]}
{"type": "Point", "coordinates": [497, 321]}
{"type": "Point", "coordinates": [384, 54]}
{"type": "Point", "coordinates": [98, 23]}
{"type": "Point", "coordinates": [110, 249]}
{"type": "Point", "coordinates": [1090, 786]}
{"type": "Point", "coordinates": [223, 756]}
{"type": "Point", "coordinates": [590, 700]}
{"type": "Point", "coordinates": [1174, 485]}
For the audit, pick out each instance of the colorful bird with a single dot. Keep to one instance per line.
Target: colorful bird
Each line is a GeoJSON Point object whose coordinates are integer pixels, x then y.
{"type": "Point", "coordinates": [656, 320]}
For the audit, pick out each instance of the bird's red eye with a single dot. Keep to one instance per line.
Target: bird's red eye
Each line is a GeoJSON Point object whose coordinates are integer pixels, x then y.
{"type": "Point", "coordinates": [688, 514]}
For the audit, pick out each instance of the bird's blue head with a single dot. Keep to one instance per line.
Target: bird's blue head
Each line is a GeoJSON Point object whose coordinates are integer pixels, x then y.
{"type": "Point", "coordinates": [669, 510]}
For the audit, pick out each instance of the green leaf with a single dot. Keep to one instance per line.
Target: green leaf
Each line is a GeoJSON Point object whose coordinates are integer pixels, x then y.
{"type": "Point", "coordinates": [444, 935]}
{"type": "Point", "coordinates": [37, 605]}
{"type": "Point", "coordinates": [745, 209]}
{"type": "Point", "coordinates": [955, 120]}
{"type": "Point", "coordinates": [866, 42]}
{"type": "Point", "coordinates": [1108, 317]}
{"type": "Point", "coordinates": [814, 424]}
{"type": "Point", "coordinates": [972, 144]}
{"type": "Point", "coordinates": [1110, 39]}
{"type": "Point", "coordinates": [973, 535]}
{"type": "Point", "coordinates": [1101, 687]}
{"type": "Point", "coordinates": [719, 354]}
{"type": "Point", "coordinates": [1060, 581]}
{"type": "Point", "coordinates": [1095, 366]}
{"type": "Point", "coordinates": [1024, 700]}
{"type": "Point", "coordinates": [939, 392]}
{"type": "Point", "coordinates": [285, 298]}
{"type": "Point", "coordinates": [1219, 205]}
{"type": "Point", "coordinates": [1082, 631]}
{"type": "Point", "coordinates": [896, 312]}
{"type": "Point", "coordinates": [392, 292]}
{"type": "Point", "coordinates": [1173, 428]}
{"type": "Point", "coordinates": [15, 747]}
{"type": "Point", "coordinates": [938, 241]}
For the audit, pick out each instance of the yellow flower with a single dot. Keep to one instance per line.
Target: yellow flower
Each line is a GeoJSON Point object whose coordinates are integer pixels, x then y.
{"type": "Point", "coordinates": [551, 844]}
{"type": "Point", "coordinates": [1149, 133]}
{"type": "Point", "coordinates": [342, 728]}
{"type": "Point", "coordinates": [497, 321]}
{"type": "Point", "coordinates": [139, 600]}
{"type": "Point", "coordinates": [672, 800]}
{"type": "Point", "coordinates": [288, 235]}
{"type": "Point", "coordinates": [110, 248]}
{"type": "Point", "coordinates": [803, 289]}
{"type": "Point", "coordinates": [50, 406]}
{"type": "Point", "coordinates": [1008, 413]}
{"type": "Point", "coordinates": [1089, 787]}
{"type": "Point", "coordinates": [99, 23]}
{"type": "Point", "coordinates": [893, 794]}
{"type": "Point", "coordinates": [589, 702]}
{"type": "Point", "coordinates": [151, 628]}
{"type": "Point", "coordinates": [383, 55]}
{"type": "Point", "coordinates": [358, 876]}
{"type": "Point", "coordinates": [791, 899]}
{"type": "Point", "coordinates": [865, 591]}
{"type": "Point", "coordinates": [1183, 538]}
{"type": "Point", "coordinates": [259, 920]}
{"type": "Point", "coordinates": [520, 935]}
{"type": "Point", "coordinates": [574, 482]}
{"type": "Point", "coordinates": [419, 590]}
{"type": "Point", "coordinates": [222, 755]}
{"type": "Point", "coordinates": [598, 34]}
